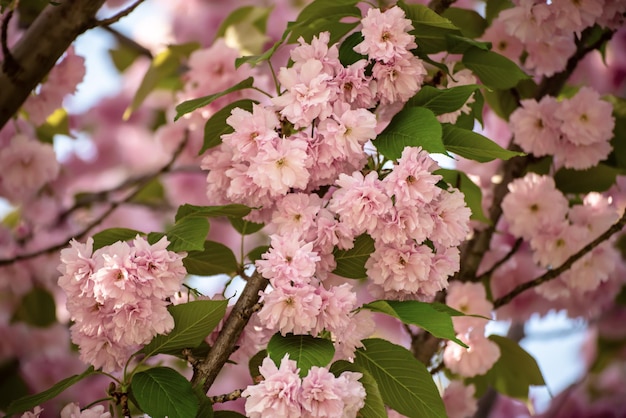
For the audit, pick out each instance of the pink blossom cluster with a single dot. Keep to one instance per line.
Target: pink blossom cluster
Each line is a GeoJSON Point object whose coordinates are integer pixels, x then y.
{"type": "Point", "coordinates": [282, 393]}
{"type": "Point", "coordinates": [62, 80]}
{"type": "Point", "coordinates": [317, 127]}
{"type": "Point", "coordinates": [471, 299]}
{"type": "Point", "coordinates": [546, 30]}
{"type": "Point", "coordinates": [540, 214]}
{"type": "Point", "coordinates": [459, 400]}
{"type": "Point", "coordinates": [72, 410]}
{"type": "Point", "coordinates": [576, 131]}
{"type": "Point", "coordinates": [117, 296]}
{"type": "Point", "coordinates": [416, 225]}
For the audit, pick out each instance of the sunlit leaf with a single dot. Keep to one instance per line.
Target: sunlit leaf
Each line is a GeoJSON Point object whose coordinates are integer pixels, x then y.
{"type": "Point", "coordinates": [216, 258]}
{"type": "Point", "coordinates": [305, 350]}
{"type": "Point", "coordinates": [163, 392]}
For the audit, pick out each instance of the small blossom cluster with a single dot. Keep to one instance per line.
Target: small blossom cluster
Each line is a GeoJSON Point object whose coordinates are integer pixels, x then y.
{"type": "Point", "coordinates": [72, 410]}
{"type": "Point", "coordinates": [546, 29]}
{"type": "Point", "coordinates": [282, 393]}
{"type": "Point", "coordinates": [471, 299]}
{"type": "Point", "coordinates": [540, 214]}
{"type": "Point", "coordinates": [416, 225]}
{"type": "Point", "coordinates": [459, 400]}
{"type": "Point", "coordinates": [117, 296]}
{"type": "Point", "coordinates": [317, 127]}
{"type": "Point", "coordinates": [576, 131]}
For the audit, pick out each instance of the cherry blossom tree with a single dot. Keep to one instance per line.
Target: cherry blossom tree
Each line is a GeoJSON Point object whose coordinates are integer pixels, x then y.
{"type": "Point", "coordinates": [311, 209]}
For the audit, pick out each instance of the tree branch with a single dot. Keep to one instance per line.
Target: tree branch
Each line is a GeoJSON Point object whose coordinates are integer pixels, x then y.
{"type": "Point", "coordinates": [113, 19]}
{"type": "Point", "coordinates": [554, 273]}
{"type": "Point", "coordinates": [227, 397]}
{"type": "Point", "coordinates": [40, 47]}
{"type": "Point", "coordinates": [206, 372]}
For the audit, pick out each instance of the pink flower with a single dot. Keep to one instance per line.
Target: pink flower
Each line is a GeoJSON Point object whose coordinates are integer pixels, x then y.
{"type": "Point", "coordinates": [527, 21]}
{"type": "Point", "coordinates": [586, 119]}
{"type": "Point", "coordinates": [278, 394]}
{"type": "Point", "coordinates": [352, 393]}
{"type": "Point", "coordinates": [72, 410]}
{"type": "Point", "coordinates": [411, 181]}
{"type": "Point", "coordinates": [471, 299]}
{"type": "Point", "coordinates": [34, 414]}
{"type": "Point", "coordinates": [360, 326]}
{"type": "Point", "coordinates": [288, 262]}
{"type": "Point", "coordinates": [548, 56]}
{"type": "Point", "coordinates": [398, 80]}
{"type": "Point", "coordinates": [27, 165]}
{"type": "Point", "coordinates": [317, 50]}
{"type": "Point", "coordinates": [452, 218]}
{"type": "Point", "coordinates": [252, 131]}
{"type": "Point", "coordinates": [291, 309]}
{"type": "Point", "coordinates": [576, 16]}
{"type": "Point", "coordinates": [337, 304]}
{"type": "Point", "coordinates": [76, 268]}
{"type": "Point", "coordinates": [503, 43]}
{"type": "Point", "coordinates": [476, 360]}
{"type": "Point", "coordinates": [581, 157]}
{"type": "Point", "coordinates": [532, 204]}
{"type": "Point", "coordinates": [386, 35]}
{"type": "Point", "coordinates": [295, 214]}
{"type": "Point", "coordinates": [459, 400]}
{"type": "Point", "coordinates": [535, 126]}
{"type": "Point", "coordinates": [355, 87]}
{"type": "Point", "coordinates": [320, 397]}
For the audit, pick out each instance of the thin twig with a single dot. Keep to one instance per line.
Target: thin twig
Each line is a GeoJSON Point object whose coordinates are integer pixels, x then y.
{"type": "Point", "coordinates": [227, 397]}
{"type": "Point", "coordinates": [115, 18]}
{"type": "Point", "coordinates": [128, 42]}
{"type": "Point", "coordinates": [101, 218]}
{"type": "Point", "coordinates": [503, 260]}
{"type": "Point", "coordinates": [554, 273]}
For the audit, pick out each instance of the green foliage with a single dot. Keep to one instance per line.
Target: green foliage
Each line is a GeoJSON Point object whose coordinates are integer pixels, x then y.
{"type": "Point", "coordinates": [113, 235]}
{"type": "Point", "coordinates": [58, 123]}
{"type": "Point", "coordinates": [193, 104]}
{"type": "Point", "coordinates": [245, 227]}
{"type": "Point", "coordinates": [29, 402]}
{"type": "Point", "coordinates": [347, 54]}
{"type": "Point", "coordinates": [494, 70]}
{"type": "Point", "coordinates": [306, 350]}
{"type": "Point", "coordinates": [37, 308]}
{"type": "Point", "coordinates": [374, 406]}
{"type": "Point", "coordinates": [165, 65]}
{"type": "Point", "coordinates": [323, 15]}
{"type": "Point", "coordinates": [254, 60]}
{"type": "Point", "coordinates": [351, 263]}
{"type": "Point", "coordinates": [123, 56]}
{"type": "Point", "coordinates": [192, 211]}
{"type": "Point", "coordinates": [404, 383]}
{"type": "Point", "coordinates": [12, 385]}
{"type": "Point", "coordinates": [512, 374]}
{"type": "Point", "coordinates": [255, 362]}
{"type": "Point", "coordinates": [473, 194]}
{"type": "Point", "coordinates": [440, 101]}
{"type": "Point", "coordinates": [474, 146]}
{"type": "Point", "coordinates": [494, 7]}
{"type": "Point", "coordinates": [193, 322]}
{"type": "Point", "coordinates": [430, 29]}
{"type": "Point", "coordinates": [246, 26]}
{"type": "Point", "coordinates": [152, 193]}
{"type": "Point", "coordinates": [188, 234]}
{"type": "Point", "coordinates": [215, 258]}
{"type": "Point", "coordinates": [256, 253]}
{"type": "Point", "coordinates": [428, 316]}
{"type": "Point", "coordinates": [411, 127]}
{"type": "Point", "coordinates": [162, 392]}
{"type": "Point", "coordinates": [468, 21]}
{"type": "Point", "coordinates": [216, 126]}
{"type": "Point", "coordinates": [595, 179]}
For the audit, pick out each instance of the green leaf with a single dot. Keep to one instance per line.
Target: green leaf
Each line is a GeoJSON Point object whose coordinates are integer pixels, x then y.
{"type": "Point", "coordinates": [502, 102]}
{"type": "Point", "coordinates": [347, 54]}
{"type": "Point", "coordinates": [494, 70]}
{"type": "Point", "coordinates": [123, 56]}
{"type": "Point", "coordinates": [255, 362]}
{"type": "Point", "coordinates": [459, 44]}
{"type": "Point", "coordinates": [234, 210]}
{"type": "Point", "coordinates": [474, 146]}
{"type": "Point", "coordinates": [404, 382]}
{"type": "Point", "coordinates": [306, 350]}
{"type": "Point", "coordinates": [163, 392]}
{"type": "Point", "coordinates": [323, 15]}
{"type": "Point", "coordinates": [216, 126]}
{"type": "Point", "coordinates": [37, 308]}
{"type": "Point", "coordinates": [246, 26]}
{"type": "Point", "coordinates": [441, 101]}
{"type": "Point", "coordinates": [193, 322]}
{"type": "Point", "coordinates": [188, 234]}
{"type": "Point", "coordinates": [374, 406]}
{"type": "Point", "coordinates": [193, 104]}
{"type": "Point", "coordinates": [245, 227]}
{"type": "Point", "coordinates": [215, 259]}
{"type": "Point", "coordinates": [411, 127]}
{"type": "Point", "coordinates": [165, 64]}
{"type": "Point", "coordinates": [29, 402]}
{"type": "Point", "coordinates": [424, 315]}
{"type": "Point", "coordinates": [12, 385]}
{"type": "Point", "coordinates": [595, 179]}
{"type": "Point", "coordinates": [430, 28]}
{"type": "Point", "coordinates": [113, 235]}
{"type": "Point", "coordinates": [152, 193]}
{"type": "Point", "coordinates": [494, 7]}
{"type": "Point", "coordinates": [257, 252]}
{"type": "Point", "coordinates": [351, 263]}
{"type": "Point", "coordinates": [254, 60]}
{"type": "Point", "coordinates": [58, 123]}
{"type": "Point", "coordinates": [513, 373]}
{"type": "Point", "coordinates": [473, 194]}
{"type": "Point", "coordinates": [469, 21]}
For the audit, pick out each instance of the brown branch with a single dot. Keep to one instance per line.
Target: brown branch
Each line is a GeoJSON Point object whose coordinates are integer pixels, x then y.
{"type": "Point", "coordinates": [227, 397]}
{"type": "Point", "coordinates": [9, 65]}
{"type": "Point", "coordinates": [206, 372]}
{"type": "Point", "coordinates": [39, 48]}
{"type": "Point", "coordinates": [503, 260]}
{"type": "Point", "coordinates": [554, 273]}
{"type": "Point", "coordinates": [102, 217]}
{"type": "Point", "coordinates": [115, 18]}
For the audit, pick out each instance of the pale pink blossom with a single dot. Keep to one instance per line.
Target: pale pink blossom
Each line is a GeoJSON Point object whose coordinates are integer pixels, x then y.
{"type": "Point", "coordinates": [217, 160]}
{"type": "Point", "coordinates": [34, 414]}
{"type": "Point", "coordinates": [532, 204]}
{"type": "Point", "coordinates": [251, 131]}
{"type": "Point", "coordinates": [548, 56]}
{"type": "Point", "coordinates": [318, 50]}
{"type": "Point", "coordinates": [556, 242]}
{"type": "Point", "coordinates": [289, 261]}
{"type": "Point", "coordinates": [527, 21]}
{"type": "Point", "coordinates": [337, 304]}
{"type": "Point", "coordinates": [473, 361]}
{"type": "Point", "coordinates": [355, 87]}
{"type": "Point", "coordinates": [295, 214]}
{"type": "Point", "coordinates": [385, 34]}
{"type": "Point", "coordinates": [503, 43]}
{"type": "Point", "coordinates": [291, 309]}
{"type": "Point", "coordinates": [27, 165]}
{"type": "Point", "coordinates": [411, 181]}
{"type": "Point", "coordinates": [574, 16]}
{"type": "Point", "coordinates": [76, 268]}
{"type": "Point", "coordinates": [398, 80]}
{"type": "Point", "coordinates": [320, 397]}
{"type": "Point", "coordinates": [452, 218]}
{"type": "Point", "coordinates": [459, 400]}
{"type": "Point", "coordinates": [535, 127]}
{"type": "Point", "coordinates": [581, 157]}
{"type": "Point", "coordinates": [360, 326]}
{"type": "Point", "coordinates": [72, 410]}
{"type": "Point", "coordinates": [278, 394]}
{"type": "Point", "coordinates": [586, 119]}
{"type": "Point", "coordinates": [161, 271]}
{"type": "Point", "coordinates": [348, 130]}
{"type": "Point", "coordinates": [471, 299]}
